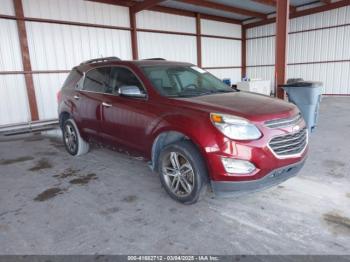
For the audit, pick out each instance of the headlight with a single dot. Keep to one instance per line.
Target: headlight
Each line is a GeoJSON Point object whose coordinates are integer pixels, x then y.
{"type": "Point", "coordinates": [234, 127]}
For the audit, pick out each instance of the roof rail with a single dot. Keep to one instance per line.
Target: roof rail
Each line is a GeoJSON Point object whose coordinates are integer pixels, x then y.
{"type": "Point", "coordinates": [101, 59]}
{"type": "Point", "coordinates": [155, 58]}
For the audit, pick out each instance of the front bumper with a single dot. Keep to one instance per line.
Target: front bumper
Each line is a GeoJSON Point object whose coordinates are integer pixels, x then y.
{"type": "Point", "coordinates": [275, 177]}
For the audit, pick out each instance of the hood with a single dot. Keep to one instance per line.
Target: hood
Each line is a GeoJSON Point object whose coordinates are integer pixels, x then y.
{"type": "Point", "coordinates": [251, 106]}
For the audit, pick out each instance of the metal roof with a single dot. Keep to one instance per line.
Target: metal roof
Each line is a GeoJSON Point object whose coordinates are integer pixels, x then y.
{"type": "Point", "coordinates": [204, 10]}
{"type": "Point", "coordinates": [250, 5]}
{"type": "Point", "coordinates": [236, 11]}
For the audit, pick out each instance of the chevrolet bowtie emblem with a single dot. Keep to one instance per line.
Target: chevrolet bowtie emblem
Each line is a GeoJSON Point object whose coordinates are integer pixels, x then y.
{"type": "Point", "coordinates": [295, 128]}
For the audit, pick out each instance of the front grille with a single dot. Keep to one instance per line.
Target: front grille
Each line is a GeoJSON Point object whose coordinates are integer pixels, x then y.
{"type": "Point", "coordinates": [290, 144]}
{"type": "Point", "coordinates": [283, 122]}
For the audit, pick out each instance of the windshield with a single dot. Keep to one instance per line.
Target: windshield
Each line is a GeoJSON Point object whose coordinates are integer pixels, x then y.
{"type": "Point", "coordinates": [184, 81]}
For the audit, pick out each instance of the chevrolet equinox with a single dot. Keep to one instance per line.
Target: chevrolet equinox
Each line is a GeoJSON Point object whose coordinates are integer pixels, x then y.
{"type": "Point", "coordinates": [194, 130]}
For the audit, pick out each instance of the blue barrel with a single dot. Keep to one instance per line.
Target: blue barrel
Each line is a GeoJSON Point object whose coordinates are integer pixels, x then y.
{"type": "Point", "coordinates": [227, 81]}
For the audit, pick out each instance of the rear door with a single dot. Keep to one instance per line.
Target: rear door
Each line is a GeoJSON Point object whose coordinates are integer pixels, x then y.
{"type": "Point", "coordinates": [90, 100]}
{"type": "Point", "coordinates": [125, 119]}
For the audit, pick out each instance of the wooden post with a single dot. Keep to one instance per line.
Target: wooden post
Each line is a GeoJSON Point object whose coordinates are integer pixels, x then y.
{"type": "Point", "coordinates": [199, 40]}
{"type": "Point", "coordinates": [282, 18]}
{"type": "Point", "coordinates": [244, 54]}
{"type": "Point", "coordinates": [23, 41]}
{"type": "Point", "coordinates": [134, 47]}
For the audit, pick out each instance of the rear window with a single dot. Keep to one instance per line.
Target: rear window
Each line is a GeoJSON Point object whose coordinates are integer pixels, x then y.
{"type": "Point", "coordinates": [73, 77]}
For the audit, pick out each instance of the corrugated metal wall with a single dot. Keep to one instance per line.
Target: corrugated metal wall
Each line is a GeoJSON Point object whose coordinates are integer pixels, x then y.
{"type": "Point", "coordinates": [318, 49]}
{"type": "Point", "coordinates": [77, 11]}
{"type": "Point", "coordinates": [167, 22]}
{"type": "Point", "coordinates": [210, 27]}
{"type": "Point", "coordinates": [6, 7]}
{"type": "Point", "coordinates": [216, 52]}
{"type": "Point", "coordinates": [221, 52]}
{"type": "Point", "coordinates": [232, 73]}
{"type": "Point", "coordinates": [60, 47]}
{"type": "Point", "coordinates": [168, 46]}
{"type": "Point", "coordinates": [14, 106]}
{"type": "Point", "coordinates": [55, 47]}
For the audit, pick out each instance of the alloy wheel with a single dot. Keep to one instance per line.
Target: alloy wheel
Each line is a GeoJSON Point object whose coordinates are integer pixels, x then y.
{"type": "Point", "coordinates": [70, 138]}
{"type": "Point", "coordinates": [178, 174]}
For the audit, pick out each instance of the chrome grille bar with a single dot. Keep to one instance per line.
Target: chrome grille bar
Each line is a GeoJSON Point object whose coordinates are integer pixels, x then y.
{"type": "Point", "coordinates": [290, 144]}
{"type": "Point", "coordinates": [284, 140]}
{"type": "Point", "coordinates": [283, 122]}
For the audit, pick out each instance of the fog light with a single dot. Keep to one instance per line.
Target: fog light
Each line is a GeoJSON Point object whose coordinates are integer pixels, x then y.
{"type": "Point", "coordinates": [237, 166]}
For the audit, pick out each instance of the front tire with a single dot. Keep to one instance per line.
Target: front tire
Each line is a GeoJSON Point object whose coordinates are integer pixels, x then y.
{"type": "Point", "coordinates": [183, 172]}
{"type": "Point", "coordinates": [74, 143]}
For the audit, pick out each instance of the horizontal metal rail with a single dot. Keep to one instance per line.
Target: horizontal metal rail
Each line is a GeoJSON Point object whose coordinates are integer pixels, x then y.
{"type": "Point", "coordinates": [28, 127]}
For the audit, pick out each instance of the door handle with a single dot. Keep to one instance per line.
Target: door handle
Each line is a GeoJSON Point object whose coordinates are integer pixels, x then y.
{"type": "Point", "coordinates": [76, 97]}
{"type": "Point", "coordinates": [106, 104]}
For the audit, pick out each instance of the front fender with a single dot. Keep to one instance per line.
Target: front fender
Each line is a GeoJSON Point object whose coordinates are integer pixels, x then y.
{"type": "Point", "coordinates": [188, 126]}
{"type": "Point", "coordinates": [198, 130]}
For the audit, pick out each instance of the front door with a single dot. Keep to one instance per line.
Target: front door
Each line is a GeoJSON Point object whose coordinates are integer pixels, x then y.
{"type": "Point", "coordinates": [125, 119]}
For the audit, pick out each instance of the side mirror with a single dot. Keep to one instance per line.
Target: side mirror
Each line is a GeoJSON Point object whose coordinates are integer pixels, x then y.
{"type": "Point", "coordinates": [131, 91]}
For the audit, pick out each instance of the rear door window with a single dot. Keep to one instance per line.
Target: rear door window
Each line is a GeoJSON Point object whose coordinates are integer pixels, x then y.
{"type": "Point", "coordinates": [97, 80]}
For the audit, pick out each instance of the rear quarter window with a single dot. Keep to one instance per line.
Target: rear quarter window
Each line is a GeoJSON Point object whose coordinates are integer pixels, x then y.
{"type": "Point", "coordinates": [73, 77]}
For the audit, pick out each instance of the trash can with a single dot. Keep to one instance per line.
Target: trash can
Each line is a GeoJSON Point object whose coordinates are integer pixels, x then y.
{"type": "Point", "coordinates": [306, 95]}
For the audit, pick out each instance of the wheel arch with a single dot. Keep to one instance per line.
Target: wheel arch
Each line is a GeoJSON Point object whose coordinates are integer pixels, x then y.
{"type": "Point", "coordinates": [165, 138]}
{"type": "Point", "coordinates": [63, 117]}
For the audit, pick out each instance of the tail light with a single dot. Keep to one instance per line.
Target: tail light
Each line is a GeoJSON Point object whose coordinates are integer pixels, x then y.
{"type": "Point", "coordinates": [59, 96]}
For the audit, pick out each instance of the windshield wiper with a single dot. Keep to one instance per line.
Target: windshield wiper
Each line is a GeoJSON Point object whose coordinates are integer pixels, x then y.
{"type": "Point", "coordinates": [207, 92]}
{"type": "Point", "coordinates": [186, 95]}
{"type": "Point", "coordinates": [224, 91]}
{"type": "Point", "coordinates": [211, 92]}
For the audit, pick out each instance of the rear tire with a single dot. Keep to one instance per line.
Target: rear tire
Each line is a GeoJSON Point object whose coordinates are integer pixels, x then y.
{"type": "Point", "coordinates": [74, 143]}
{"type": "Point", "coordinates": [183, 172]}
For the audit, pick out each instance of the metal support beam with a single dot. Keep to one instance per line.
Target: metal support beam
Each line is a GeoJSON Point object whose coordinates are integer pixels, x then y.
{"type": "Point", "coordinates": [182, 12]}
{"type": "Point", "coordinates": [169, 10]}
{"type": "Point", "coordinates": [282, 19]}
{"type": "Point", "coordinates": [244, 54]}
{"type": "Point", "coordinates": [23, 41]}
{"type": "Point", "coordinates": [146, 4]}
{"type": "Point", "coordinates": [126, 3]}
{"type": "Point", "coordinates": [134, 47]}
{"type": "Point", "coordinates": [226, 8]}
{"type": "Point", "coordinates": [199, 40]}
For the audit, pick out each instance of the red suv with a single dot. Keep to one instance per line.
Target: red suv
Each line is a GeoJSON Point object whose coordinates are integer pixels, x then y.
{"type": "Point", "coordinates": [194, 129]}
